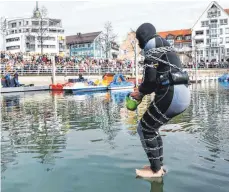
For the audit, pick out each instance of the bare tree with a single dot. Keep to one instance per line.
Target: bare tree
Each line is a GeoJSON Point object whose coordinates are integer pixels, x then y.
{"type": "Point", "coordinates": [3, 29]}
{"type": "Point", "coordinates": [41, 21]}
{"type": "Point", "coordinates": [107, 37]}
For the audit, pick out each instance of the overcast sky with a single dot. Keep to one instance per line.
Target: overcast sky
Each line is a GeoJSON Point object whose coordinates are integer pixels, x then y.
{"type": "Point", "coordinates": [90, 16]}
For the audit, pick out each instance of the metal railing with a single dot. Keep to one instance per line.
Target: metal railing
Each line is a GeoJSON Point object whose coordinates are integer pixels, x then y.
{"type": "Point", "coordinates": [71, 70]}
{"type": "Point", "coordinates": [40, 71]}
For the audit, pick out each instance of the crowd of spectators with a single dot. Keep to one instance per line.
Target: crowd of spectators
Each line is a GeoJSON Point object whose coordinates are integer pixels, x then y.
{"type": "Point", "coordinates": [37, 63]}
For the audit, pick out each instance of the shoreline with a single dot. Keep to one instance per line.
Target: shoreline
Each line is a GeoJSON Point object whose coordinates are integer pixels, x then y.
{"type": "Point", "coordinates": [42, 80]}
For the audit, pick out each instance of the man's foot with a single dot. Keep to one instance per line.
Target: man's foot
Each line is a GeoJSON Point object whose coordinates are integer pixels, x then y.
{"type": "Point", "coordinates": [149, 168]}
{"type": "Point", "coordinates": [148, 173]}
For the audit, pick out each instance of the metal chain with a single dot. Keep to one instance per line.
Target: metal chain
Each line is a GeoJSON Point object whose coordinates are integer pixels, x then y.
{"type": "Point", "coordinates": [149, 55]}
{"type": "Point", "coordinates": [155, 158]}
{"type": "Point", "coordinates": [154, 118]}
{"type": "Point", "coordinates": [153, 149]}
{"type": "Point", "coordinates": [163, 115]}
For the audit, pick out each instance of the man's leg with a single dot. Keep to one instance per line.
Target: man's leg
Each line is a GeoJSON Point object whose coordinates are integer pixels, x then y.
{"type": "Point", "coordinates": [160, 145]}
{"type": "Point", "coordinates": [148, 130]}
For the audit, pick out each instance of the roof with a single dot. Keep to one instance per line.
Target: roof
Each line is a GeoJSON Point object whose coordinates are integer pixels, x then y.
{"type": "Point", "coordinates": [82, 38]}
{"type": "Point", "coordinates": [227, 11]}
{"type": "Point", "coordinates": [176, 33]}
{"type": "Point", "coordinates": [212, 3]}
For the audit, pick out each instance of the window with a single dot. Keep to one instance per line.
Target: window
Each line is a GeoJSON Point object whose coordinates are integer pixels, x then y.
{"type": "Point", "coordinates": [47, 46]}
{"type": "Point", "coordinates": [179, 38]}
{"type": "Point", "coordinates": [13, 47]}
{"type": "Point", "coordinates": [13, 39]}
{"type": "Point", "coordinates": [223, 21]}
{"type": "Point", "coordinates": [89, 45]}
{"type": "Point", "coordinates": [27, 22]}
{"type": "Point", "coordinates": [221, 31]}
{"type": "Point", "coordinates": [30, 38]}
{"type": "Point", "coordinates": [227, 51]}
{"type": "Point", "coordinates": [170, 37]}
{"type": "Point", "coordinates": [208, 41]}
{"type": "Point", "coordinates": [207, 31]}
{"type": "Point", "coordinates": [19, 23]}
{"type": "Point", "coordinates": [207, 52]}
{"type": "Point", "coordinates": [227, 30]}
{"type": "Point", "coordinates": [34, 30]}
{"type": "Point", "coordinates": [44, 23]}
{"type": "Point", "coordinates": [199, 32]}
{"type": "Point", "coordinates": [214, 33]}
{"type": "Point", "coordinates": [46, 38]}
{"type": "Point", "coordinates": [216, 51]}
{"type": "Point", "coordinates": [212, 52]}
{"type": "Point", "coordinates": [188, 37]}
{"type": "Point", "coordinates": [204, 23]}
{"type": "Point", "coordinates": [13, 25]}
{"type": "Point", "coordinates": [227, 39]}
{"type": "Point", "coordinates": [221, 40]}
{"type": "Point", "coordinates": [36, 23]}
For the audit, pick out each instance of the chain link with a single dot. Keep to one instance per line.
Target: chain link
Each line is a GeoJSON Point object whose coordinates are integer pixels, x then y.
{"type": "Point", "coordinates": [155, 158]}
{"type": "Point", "coordinates": [153, 149]}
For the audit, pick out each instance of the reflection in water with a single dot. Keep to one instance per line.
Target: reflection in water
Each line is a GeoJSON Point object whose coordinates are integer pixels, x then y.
{"type": "Point", "coordinates": [156, 184]}
{"type": "Point", "coordinates": [44, 127]}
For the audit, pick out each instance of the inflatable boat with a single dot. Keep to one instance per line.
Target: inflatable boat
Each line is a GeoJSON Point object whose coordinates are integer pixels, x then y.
{"type": "Point", "coordinates": [119, 82]}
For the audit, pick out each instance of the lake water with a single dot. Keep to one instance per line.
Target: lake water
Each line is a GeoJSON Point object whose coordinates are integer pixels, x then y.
{"type": "Point", "coordinates": [65, 143]}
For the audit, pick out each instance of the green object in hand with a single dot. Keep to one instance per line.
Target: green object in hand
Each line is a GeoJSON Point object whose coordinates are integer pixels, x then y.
{"type": "Point", "coordinates": [131, 103]}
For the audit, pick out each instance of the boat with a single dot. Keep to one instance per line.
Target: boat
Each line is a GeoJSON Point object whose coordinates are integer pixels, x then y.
{"type": "Point", "coordinates": [83, 87]}
{"type": "Point", "coordinates": [224, 78]}
{"type": "Point", "coordinates": [119, 82]}
{"type": "Point", "coordinates": [109, 81]}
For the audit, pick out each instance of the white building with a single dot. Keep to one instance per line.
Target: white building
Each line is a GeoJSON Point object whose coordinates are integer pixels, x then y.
{"type": "Point", "coordinates": [28, 34]}
{"type": "Point", "coordinates": [210, 35]}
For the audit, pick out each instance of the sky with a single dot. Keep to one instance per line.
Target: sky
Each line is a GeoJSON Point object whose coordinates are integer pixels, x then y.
{"type": "Point", "coordinates": [90, 16]}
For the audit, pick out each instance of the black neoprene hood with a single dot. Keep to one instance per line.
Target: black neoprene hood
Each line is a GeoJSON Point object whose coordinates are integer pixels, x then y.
{"type": "Point", "coordinates": [144, 33]}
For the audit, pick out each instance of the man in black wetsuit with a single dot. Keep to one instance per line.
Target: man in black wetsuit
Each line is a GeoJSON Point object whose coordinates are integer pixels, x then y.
{"type": "Point", "coordinates": [164, 76]}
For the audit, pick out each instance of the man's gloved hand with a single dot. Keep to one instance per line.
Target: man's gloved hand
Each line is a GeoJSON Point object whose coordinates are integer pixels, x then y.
{"type": "Point", "coordinates": [137, 95]}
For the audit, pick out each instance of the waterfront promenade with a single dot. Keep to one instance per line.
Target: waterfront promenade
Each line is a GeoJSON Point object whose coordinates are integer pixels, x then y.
{"type": "Point", "coordinates": [45, 79]}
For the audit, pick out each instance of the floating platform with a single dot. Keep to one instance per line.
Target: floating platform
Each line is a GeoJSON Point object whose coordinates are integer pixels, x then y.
{"type": "Point", "coordinates": [24, 89]}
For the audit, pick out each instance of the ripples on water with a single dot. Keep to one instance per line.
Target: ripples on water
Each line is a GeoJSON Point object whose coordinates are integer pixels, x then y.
{"type": "Point", "coordinates": [55, 142]}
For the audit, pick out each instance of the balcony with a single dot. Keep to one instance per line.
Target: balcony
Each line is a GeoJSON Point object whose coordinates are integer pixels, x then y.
{"type": "Point", "coordinates": [214, 26]}
{"type": "Point", "coordinates": [214, 44]}
{"type": "Point", "coordinates": [213, 13]}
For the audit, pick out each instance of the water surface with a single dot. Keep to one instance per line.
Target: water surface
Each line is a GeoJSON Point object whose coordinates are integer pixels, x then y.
{"type": "Point", "coordinates": [65, 143]}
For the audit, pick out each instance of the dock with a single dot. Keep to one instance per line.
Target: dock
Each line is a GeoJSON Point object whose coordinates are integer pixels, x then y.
{"type": "Point", "coordinates": [24, 89]}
